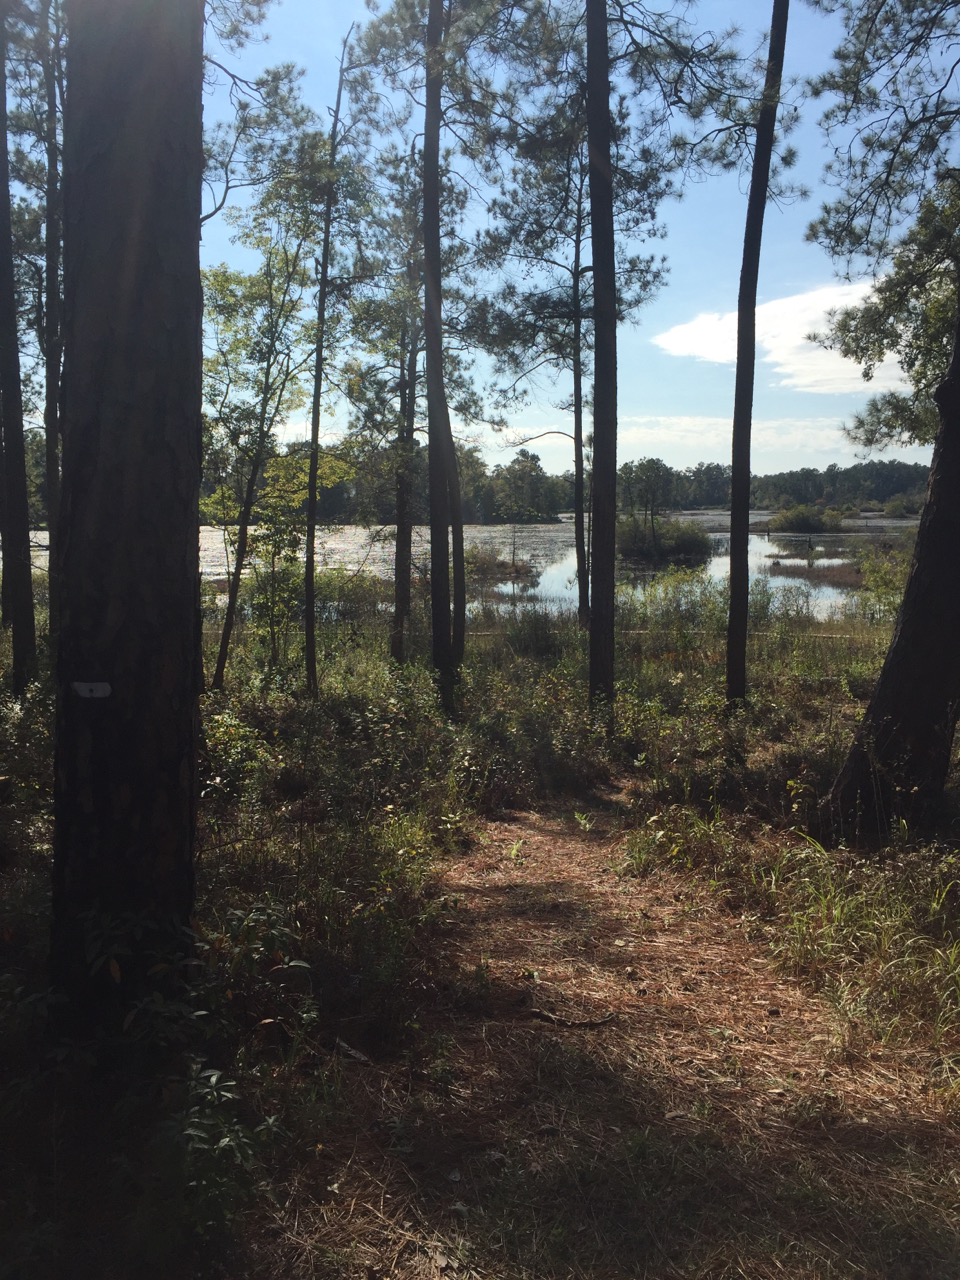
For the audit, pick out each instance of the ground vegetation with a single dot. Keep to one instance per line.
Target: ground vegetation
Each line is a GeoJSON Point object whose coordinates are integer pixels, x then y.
{"type": "Point", "coordinates": [501, 989]}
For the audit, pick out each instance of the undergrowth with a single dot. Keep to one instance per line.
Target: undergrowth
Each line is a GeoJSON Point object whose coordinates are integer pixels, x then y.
{"type": "Point", "coordinates": [321, 823]}
{"type": "Point", "coordinates": [878, 938]}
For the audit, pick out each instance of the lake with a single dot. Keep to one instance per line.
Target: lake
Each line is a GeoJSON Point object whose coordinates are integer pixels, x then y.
{"type": "Point", "coordinates": [787, 559]}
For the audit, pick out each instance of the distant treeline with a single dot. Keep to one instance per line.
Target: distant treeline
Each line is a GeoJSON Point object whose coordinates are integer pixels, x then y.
{"type": "Point", "coordinates": [650, 484]}
{"type": "Point", "coordinates": [521, 492]}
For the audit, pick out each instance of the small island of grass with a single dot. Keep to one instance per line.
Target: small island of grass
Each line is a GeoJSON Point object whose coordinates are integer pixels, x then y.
{"type": "Point", "coordinates": [660, 542]}
{"type": "Point", "coordinates": [805, 519]}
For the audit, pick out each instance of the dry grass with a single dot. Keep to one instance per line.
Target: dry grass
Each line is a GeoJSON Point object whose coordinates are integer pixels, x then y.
{"type": "Point", "coordinates": [610, 1079]}
{"type": "Point", "coordinates": [842, 576]}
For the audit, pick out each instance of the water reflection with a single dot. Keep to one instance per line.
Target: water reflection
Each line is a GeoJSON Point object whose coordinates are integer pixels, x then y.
{"type": "Point", "coordinates": [798, 561]}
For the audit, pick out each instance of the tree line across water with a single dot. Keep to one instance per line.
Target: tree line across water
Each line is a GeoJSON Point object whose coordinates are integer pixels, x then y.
{"type": "Point", "coordinates": [360, 487]}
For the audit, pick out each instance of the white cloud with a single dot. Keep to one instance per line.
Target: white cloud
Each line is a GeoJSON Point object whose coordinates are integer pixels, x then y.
{"type": "Point", "coordinates": [777, 444]}
{"type": "Point", "coordinates": [782, 328]}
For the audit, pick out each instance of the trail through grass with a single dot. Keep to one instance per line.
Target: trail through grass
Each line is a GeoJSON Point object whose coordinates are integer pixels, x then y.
{"type": "Point", "coordinates": [612, 1078]}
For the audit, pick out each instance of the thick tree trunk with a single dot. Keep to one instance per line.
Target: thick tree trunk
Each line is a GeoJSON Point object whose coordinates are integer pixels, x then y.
{"type": "Point", "coordinates": [901, 754]}
{"type": "Point", "coordinates": [600, 180]}
{"type": "Point", "coordinates": [744, 377]}
{"type": "Point", "coordinates": [17, 575]}
{"type": "Point", "coordinates": [128, 673]}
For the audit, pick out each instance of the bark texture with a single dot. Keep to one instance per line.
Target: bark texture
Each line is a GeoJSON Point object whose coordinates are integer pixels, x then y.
{"type": "Point", "coordinates": [320, 356]}
{"type": "Point", "coordinates": [444, 492]}
{"type": "Point", "coordinates": [403, 488]}
{"type": "Point", "coordinates": [580, 533]}
{"type": "Point", "coordinates": [899, 760]}
{"type": "Point", "coordinates": [128, 671]}
{"type": "Point", "coordinates": [604, 505]}
{"type": "Point", "coordinates": [746, 350]}
{"type": "Point", "coordinates": [52, 338]}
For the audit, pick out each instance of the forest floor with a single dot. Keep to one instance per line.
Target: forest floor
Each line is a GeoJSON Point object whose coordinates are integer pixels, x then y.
{"type": "Point", "coordinates": [612, 1079]}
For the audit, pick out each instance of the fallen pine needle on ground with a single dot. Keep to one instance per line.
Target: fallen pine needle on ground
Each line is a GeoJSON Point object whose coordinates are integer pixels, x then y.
{"type": "Point", "coordinates": [611, 1079]}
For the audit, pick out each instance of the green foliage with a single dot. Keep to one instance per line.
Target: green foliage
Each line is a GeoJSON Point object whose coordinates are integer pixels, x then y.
{"type": "Point", "coordinates": [235, 753]}
{"type": "Point", "coordinates": [219, 1155]}
{"type": "Point", "coordinates": [220, 507]}
{"type": "Point", "coordinates": [857, 486]}
{"type": "Point", "coordinates": [677, 607]}
{"type": "Point", "coordinates": [892, 418]}
{"type": "Point", "coordinates": [891, 121]}
{"type": "Point", "coordinates": [880, 938]}
{"type": "Point", "coordinates": [351, 596]}
{"type": "Point", "coordinates": [910, 313]}
{"type": "Point", "coordinates": [541, 744]}
{"type": "Point", "coordinates": [884, 571]}
{"type": "Point", "coordinates": [320, 828]}
{"type": "Point", "coordinates": [805, 519]}
{"type": "Point", "coordinates": [485, 567]}
{"type": "Point", "coordinates": [522, 493]}
{"type": "Point", "coordinates": [34, 448]}
{"type": "Point", "coordinates": [681, 838]}
{"type": "Point", "coordinates": [663, 541]}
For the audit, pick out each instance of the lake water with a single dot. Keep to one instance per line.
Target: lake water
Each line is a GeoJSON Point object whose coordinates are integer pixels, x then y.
{"type": "Point", "coordinates": [550, 549]}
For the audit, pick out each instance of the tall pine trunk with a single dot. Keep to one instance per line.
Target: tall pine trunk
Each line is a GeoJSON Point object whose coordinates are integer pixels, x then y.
{"type": "Point", "coordinates": [128, 671]}
{"type": "Point", "coordinates": [744, 377]}
{"type": "Point", "coordinates": [580, 536]}
{"type": "Point", "coordinates": [600, 181]}
{"type": "Point", "coordinates": [320, 341]}
{"type": "Point", "coordinates": [404, 479]}
{"type": "Point", "coordinates": [52, 340]}
{"type": "Point", "coordinates": [443, 489]}
{"type": "Point", "coordinates": [18, 578]}
{"type": "Point", "coordinates": [899, 760]}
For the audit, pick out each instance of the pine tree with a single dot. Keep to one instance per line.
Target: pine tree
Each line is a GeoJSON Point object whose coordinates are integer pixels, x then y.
{"type": "Point", "coordinates": [128, 672]}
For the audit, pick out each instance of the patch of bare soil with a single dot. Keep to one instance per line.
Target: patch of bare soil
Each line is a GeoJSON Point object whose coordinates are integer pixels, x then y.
{"type": "Point", "coordinates": [614, 1081]}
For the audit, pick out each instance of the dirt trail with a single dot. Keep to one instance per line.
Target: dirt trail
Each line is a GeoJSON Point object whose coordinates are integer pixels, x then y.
{"type": "Point", "coordinates": [615, 1082]}
{"type": "Point", "coordinates": [556, 930]}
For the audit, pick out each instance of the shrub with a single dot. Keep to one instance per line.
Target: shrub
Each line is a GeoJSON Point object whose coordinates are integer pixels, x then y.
{"type": "Point", "coordinates": [884, 571]}
{"type": "Point", "coordinates": [663, 542]}
{"type": "Point", "coordinates": [805, 519]}
{"type": "Point", "coordinates": [346, 596]}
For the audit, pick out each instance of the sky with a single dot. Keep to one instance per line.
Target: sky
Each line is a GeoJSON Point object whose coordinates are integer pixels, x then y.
{"type": "Point", "coordinates": [676, 364]}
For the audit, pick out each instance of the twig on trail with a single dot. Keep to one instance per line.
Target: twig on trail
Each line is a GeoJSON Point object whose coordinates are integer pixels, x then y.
{"type": "Point", "coordinates": [583, 1023]}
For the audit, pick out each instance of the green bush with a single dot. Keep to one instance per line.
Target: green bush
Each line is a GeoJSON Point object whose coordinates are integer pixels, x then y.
{"type": "Point", "coordinates": [663, 541]}
{"type": "Point", "coordinates": [805, 519]}
{"type": "Point", "coordinates": [343, 595]}
{"type": "Point", "coordinates": [904, 504]}
{"type": "Point", "coordinates": [884, 571]}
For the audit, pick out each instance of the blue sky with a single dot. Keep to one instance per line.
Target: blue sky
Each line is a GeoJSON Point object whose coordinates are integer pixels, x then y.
{"type": "Point", "coordinates": [676, 365]}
